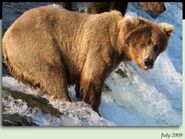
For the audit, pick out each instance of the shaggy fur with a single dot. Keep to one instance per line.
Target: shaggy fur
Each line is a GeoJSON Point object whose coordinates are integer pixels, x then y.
{"type": "Point", "coordinates": [53, 48]}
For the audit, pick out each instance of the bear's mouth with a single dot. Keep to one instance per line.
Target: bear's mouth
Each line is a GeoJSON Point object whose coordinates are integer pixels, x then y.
{"type": "Point", "coordinates": [146, 68]}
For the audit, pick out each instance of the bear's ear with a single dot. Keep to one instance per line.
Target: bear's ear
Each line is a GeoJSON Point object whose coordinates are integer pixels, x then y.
{"type": "Point", "coordinates": [168, 28]}
{"type": "Point", "coordinates": [130, 21]}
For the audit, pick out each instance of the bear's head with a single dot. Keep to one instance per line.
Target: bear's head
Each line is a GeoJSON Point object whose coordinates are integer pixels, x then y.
{"type": "Point", "coordinates": [143, 40]}
{"type": "Point", "coordinates": [154, 8]}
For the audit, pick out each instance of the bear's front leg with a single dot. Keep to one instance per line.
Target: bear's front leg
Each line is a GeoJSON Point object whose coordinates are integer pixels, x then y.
{"type": "Point", "coordinates": [90, 91]}
{"type": "Point", "coordinates": [91, 82]}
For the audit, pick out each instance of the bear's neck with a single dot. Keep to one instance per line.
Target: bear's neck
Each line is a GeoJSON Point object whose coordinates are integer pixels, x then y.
{"type": "Point", "coordinates": [122, 48]}
{"type": "Point", "coordinates": [117, 42]}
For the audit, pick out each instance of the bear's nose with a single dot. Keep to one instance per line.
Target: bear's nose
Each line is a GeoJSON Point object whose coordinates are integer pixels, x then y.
{"type": "Point", "coordinates": [149, 63]}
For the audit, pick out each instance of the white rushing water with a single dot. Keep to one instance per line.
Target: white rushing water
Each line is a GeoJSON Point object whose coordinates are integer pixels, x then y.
{"type": "Point", "coordinates": [141, 98]}
{"type": "Point", "coordinates": [151, 98]}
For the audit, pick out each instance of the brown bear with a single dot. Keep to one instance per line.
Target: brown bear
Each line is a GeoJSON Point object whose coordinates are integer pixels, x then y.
{"type": "Point", "coordinates": [100, 7]}
{"type": "Point", "coordinates": [66, 5]}
{"type": "Point", "coordinates": [51, 48]}
{"type": "Point", "coordinates": [154, 7]}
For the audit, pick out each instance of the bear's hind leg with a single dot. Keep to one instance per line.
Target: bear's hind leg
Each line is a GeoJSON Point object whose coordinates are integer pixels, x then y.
{"type": "Point", "coordinates": [55, 84]}
{"type": "Point", "coordinates": [90, 90]}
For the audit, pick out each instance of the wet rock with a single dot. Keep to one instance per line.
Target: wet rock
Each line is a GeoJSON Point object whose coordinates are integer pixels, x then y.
{"type": "Point", "coordinates": [17, 120]}
{"type": "Point", "coordinates": [33, 101]}
{"type": "Point", "coordinates": [122, 73]}
{"type": "Point", "coordinates": [106, 88]}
